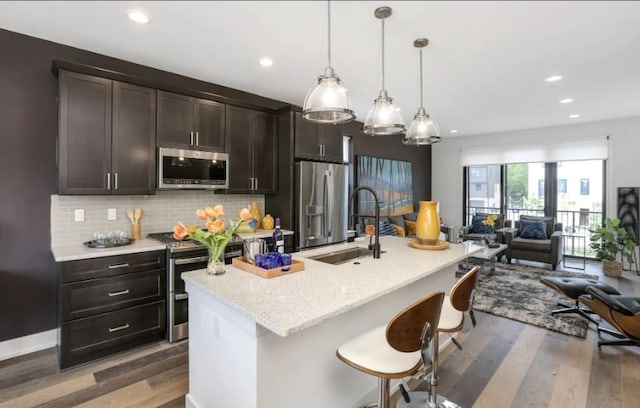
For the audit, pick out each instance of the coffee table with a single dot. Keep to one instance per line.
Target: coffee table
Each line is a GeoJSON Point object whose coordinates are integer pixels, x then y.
{"type": "Point", "coordinates": [486, 254]}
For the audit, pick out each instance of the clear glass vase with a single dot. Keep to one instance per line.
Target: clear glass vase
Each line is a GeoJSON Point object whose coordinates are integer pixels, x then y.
{"type": "Point", "coordinates": [215, 265]}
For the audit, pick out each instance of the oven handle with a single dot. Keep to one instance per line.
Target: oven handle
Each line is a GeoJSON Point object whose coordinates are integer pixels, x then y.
{"type": "Point", "coordinates": [181, 296]}
{"type": "Point", "coordinates": [186, 261]}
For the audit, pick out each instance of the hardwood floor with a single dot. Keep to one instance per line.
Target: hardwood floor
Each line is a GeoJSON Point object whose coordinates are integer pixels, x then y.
{"type": "Point", "coordinates": [503, 364]}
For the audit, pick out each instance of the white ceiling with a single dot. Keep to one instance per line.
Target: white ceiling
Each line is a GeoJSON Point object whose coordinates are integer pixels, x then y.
{"type": "Point", "coordinates": [484, 67]}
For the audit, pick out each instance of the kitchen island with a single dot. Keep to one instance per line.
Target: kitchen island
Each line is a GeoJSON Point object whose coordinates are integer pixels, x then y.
{"type": "Point", "coordinates": [256, 342]}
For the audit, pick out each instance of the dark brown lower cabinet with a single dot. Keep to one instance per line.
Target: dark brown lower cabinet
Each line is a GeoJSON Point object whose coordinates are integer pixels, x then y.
{"type": "Point", "coordinates": [118, 303]}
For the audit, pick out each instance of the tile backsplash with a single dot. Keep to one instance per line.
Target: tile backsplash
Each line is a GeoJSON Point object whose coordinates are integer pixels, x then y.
{"type": "Point", "coordinates": [161, 212]}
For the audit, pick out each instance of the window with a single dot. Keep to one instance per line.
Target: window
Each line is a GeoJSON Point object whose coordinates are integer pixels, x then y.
{"type": "Point", "coordinates": [541, 188]}
{"type": "Point", "coordinates": [562, 185]}
{"type": "Point", "coordinates": [584, 187]}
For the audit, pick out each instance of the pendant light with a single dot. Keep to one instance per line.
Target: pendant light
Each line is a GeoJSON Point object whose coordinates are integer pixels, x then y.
{"type": "Point", "coordinates": [423, 130]}
{"type": "Point", "coordinates": [384, 118]}
{"type": "Point", "coordinates": [327, 101]}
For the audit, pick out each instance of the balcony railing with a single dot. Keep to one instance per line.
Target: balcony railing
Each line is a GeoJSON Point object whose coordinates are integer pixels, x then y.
{"type": "Point", "coordinates": [577, 221]}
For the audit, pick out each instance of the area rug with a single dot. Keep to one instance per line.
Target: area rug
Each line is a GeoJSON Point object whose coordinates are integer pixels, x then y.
{"type": "Point", "coordinates": [515, 292]}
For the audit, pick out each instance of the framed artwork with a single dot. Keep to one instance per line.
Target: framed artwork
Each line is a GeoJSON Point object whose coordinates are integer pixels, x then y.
{"type": "Point", "coordinates": [392, 182]}
{"type": "Point", "coordinates": [628, 209]}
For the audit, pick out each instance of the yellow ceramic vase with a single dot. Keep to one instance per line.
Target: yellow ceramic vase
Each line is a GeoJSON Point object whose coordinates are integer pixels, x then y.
{"type": "Point", "coordinates": [428, 223]}
{"type": "Point", "coordinates": [255, 213]}
{"type": "Point", "coordinates": [268, 222]}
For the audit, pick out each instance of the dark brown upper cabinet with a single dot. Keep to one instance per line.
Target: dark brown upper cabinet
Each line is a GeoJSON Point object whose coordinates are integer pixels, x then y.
{"type": "Point", "coordinates": [317, 141]}
{"type": "Point", "coordinates": [186, 122]}
{"type": "Point", "coordinates": [106, 138]}
{"type": "Point", "coordinates": [252, 148]}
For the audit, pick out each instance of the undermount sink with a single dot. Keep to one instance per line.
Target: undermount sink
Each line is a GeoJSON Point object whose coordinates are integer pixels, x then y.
{"type": "Point", "coordinates": [342, 256]}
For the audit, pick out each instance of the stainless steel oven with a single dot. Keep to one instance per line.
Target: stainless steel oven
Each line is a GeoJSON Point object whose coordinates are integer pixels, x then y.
{"type": "Point", "coordinates": [184, 257]}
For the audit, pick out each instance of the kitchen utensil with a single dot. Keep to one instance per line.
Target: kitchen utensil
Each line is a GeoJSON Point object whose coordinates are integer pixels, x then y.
{"type": "Point", "coordinates": [254, 246]}
{"type": "Point", "coordinates": [135, 228]}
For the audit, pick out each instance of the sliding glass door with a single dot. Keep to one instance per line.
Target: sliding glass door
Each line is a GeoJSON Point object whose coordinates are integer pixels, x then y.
{"type": "Point", "coordinates": [571, 191]}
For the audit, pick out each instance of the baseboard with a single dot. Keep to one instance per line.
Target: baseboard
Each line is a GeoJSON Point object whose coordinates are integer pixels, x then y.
{"type": "Point", "coordinates": [28, 344]}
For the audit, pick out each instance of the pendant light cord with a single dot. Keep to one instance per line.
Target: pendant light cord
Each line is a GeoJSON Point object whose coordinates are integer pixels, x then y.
{"type": "Point", "coordinates": [421, 86]}
{"type": "Point", "coordinates": [329, 31]}
{"type": "Point", "coordinates": [383, 55]}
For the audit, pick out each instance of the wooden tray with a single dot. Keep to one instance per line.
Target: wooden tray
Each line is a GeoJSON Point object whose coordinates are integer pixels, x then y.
{"type": "Point", "coordinates": [241, 263]}
{"type": "Point", "coordinates": [414, 243]}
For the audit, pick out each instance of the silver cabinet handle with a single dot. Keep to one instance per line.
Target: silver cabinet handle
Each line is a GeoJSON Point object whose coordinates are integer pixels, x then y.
{"type": "Point", "coordinates": [122, 265]}
{"type": "Point", "coordinates": [115, 329]}
{"type": "Point", "coordinates": [108, 181]}
{"type": "Point", "coordinates": [250, 183]}
{"type": "Point", "coordinates": [256, 187]}
{"type": "Point", "coordinates": [122, 292]}
{"type": "Point", "coordinates": [320, 150]}
{"type": "Point", "coordinates": [115, 181]}
{"type": "Point", "coordinates": [181, 296]}
{"type": "Point", "coordinates": [191, 137]}
{"type": "Point", "coordinates": [197, 139]}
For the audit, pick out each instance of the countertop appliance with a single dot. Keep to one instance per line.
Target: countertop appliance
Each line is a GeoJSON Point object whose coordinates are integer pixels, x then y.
{"type": "Point", "coordinates": [321, 205]}
{"type": "Point", "coordinates": [185, 256]}
{"type": "Point", "coordinates": [192, 169]}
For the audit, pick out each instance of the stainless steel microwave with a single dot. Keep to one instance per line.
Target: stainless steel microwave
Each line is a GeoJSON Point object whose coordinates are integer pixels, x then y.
{"type": "Point", "coordinates": [192, 169]}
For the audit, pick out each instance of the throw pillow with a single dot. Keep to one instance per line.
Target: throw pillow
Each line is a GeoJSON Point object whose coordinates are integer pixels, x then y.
{"type": "Point", "coordinates": [479, 227]}
{"type": "Point", "coordinates": [386, 228]}
{"type": "Point", "coordinates": [533, 229]}
{"type": "Point", "coordinates": [411, 227]}
{"type": "Point", "coordinates": [398, 230]}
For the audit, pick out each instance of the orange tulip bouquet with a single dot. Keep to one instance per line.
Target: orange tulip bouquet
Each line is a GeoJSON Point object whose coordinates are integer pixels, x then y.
{"type": "Point", "coordinates": [215, 236]}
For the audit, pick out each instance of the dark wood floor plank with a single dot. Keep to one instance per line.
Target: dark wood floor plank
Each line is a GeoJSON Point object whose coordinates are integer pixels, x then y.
{"type": "Point", "coordinates": [24, 370]}
{"type": "Point", "coordinates": [176, 403]}
{"type": "Point", "coordinates": [605, 380]}
{"type": "Point", "coordinates": [115, 371]}
{"type": "Point", "coordinates": [112, 384]}
{"type": "Point", "coordinates": [541, 376]}
{"type": "Point", "coordinates": [173, 374]}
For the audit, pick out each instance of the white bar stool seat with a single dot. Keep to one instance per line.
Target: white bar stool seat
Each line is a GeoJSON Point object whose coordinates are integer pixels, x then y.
{"type": "Point", "coordinates": [395, 350]}
{"type": "Point", "coordinates": [373, 354]}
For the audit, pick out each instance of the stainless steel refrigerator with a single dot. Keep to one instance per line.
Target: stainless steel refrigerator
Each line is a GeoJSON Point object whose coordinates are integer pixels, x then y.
{"type": "Point", "coordinates": [322, 194]}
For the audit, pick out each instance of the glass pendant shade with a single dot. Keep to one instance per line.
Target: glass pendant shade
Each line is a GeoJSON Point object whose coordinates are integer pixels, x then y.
{"type": "Point", "coordinates": [327, 101]}
{"type": "Point", "coordinates": [423, 130]}
{"type": "Point", "coordinates": [384, 118]}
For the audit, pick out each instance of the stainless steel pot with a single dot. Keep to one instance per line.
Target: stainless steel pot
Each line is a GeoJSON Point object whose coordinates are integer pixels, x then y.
{"type": "Point", "coordinates": [254, 246]}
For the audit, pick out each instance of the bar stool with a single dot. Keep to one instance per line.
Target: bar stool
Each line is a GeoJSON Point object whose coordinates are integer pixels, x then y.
{"type": "Point", "coordinates": [453, 318]}
{"type": "Point", "coordinates": [397, 349]}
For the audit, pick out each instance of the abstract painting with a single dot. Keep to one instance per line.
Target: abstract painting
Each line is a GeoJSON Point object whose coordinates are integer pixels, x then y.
{"type": "Point", "coordinates": [628, 209]}
{"type": "Point", "coordinates": [392, 182]}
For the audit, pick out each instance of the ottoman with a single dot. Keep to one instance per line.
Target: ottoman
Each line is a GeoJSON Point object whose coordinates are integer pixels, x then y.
{"type": "Point", "coordinates": [573, 288]}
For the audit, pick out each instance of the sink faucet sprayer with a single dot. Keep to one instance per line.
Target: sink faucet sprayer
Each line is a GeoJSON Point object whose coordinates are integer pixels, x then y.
{"type": "Point", "coordinates": [376, 244]}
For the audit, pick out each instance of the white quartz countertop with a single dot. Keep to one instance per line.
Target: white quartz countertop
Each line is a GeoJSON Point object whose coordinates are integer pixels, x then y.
{"type": "Point", "coordinates": [290, 303]}
{"type": "Point", "coordinates": [79, 251]}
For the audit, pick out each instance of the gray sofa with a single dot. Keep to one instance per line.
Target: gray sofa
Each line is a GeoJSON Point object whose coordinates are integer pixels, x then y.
{"type": "Point", "coordinates": [521, 245]}
{"type": "Point", "coordinates": [469, 233]}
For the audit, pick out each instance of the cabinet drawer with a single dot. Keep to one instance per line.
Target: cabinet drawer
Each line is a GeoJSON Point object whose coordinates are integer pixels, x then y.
{"type": "Point", "coordinates": [92, 337]}
{"type": "Point", "coordinates": [82, 299]}
{"type": "Point", "coordinates": [111, 265]}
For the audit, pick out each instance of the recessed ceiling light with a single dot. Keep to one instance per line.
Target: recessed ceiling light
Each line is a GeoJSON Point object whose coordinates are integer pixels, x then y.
{"type": "Point", "coordinates": [566, 100]}
{"type": "Point", "coordinates": [266, 62]}
{"type": "Point", "coordinates": [574, 116]}
{"type": "Point", "coordinates": [453, 131]}
{"type": "Point", "coordinates": [553, 78]}
{"type": "Point", "coordinates": [138, 17]}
